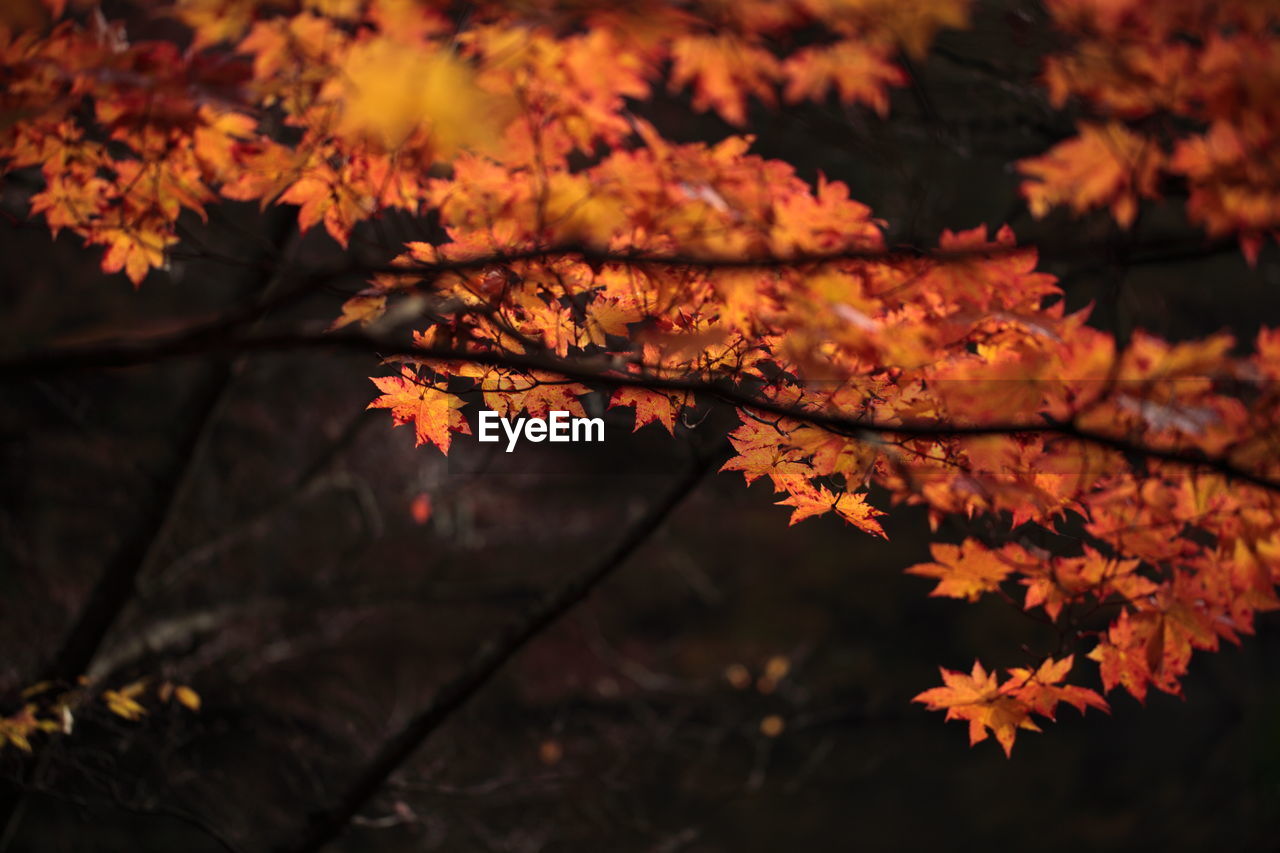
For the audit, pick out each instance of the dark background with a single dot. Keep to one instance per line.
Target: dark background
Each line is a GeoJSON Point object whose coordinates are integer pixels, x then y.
{"type": "Point", "coordinates": [293, 589]}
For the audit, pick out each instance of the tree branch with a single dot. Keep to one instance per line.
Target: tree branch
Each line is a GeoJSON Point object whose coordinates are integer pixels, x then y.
{"type": "Point", "coordinates": [487, 662]}
{"type": "Point", "coordinates": [305, 283]}
{"type": "Point", "coordinates": [599, 371]}
{"type": "Point", "coordinates": [115, 587]}
{"type": "Point", "coordinates": [1165, 247]}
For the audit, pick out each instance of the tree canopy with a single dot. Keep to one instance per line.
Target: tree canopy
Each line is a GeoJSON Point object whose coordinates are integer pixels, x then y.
{"type": "Point", "coordinates": [569, 253]}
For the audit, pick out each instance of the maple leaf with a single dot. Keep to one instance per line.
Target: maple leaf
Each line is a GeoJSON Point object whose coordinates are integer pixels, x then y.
{"type": "Point", "coordinates": [1041, 689]}
{"type": "Point", "coordinates": [543, 393]}
{"type": "Point", "coordinates": [387, 89]}
{"type": "Point", "coordinates": [364, 308]}
{"type": "Point", "coordinates": [859, 72]}
{"type": "Point", "coordinates": [1192, 82]}
{"type": "Point", "coordinates": [323, 196]}
{"type": "Point", "coordinates": [70, 200]}
{"type": "Point", "coordinates": [582, 211]}
{"type": "Point", "coordinates": [978, 699]}
{"type": "Point", "coordinates": [758, 449]}
{"type": "Point", "coordinates": [913, 23]}
{"type": "Point", "coordinates": [809, 502]}
{"type": "Point", "coordinates": [496, 385]}
{"type": "Point", "coordinates": [723, 70]}
{"type": "Point", "coordinates": [1141, 649]}
{"type": "Point", "coordinates": [1003, 708]}
{"type": "Point", "coordinates": [1058, 581]}
{"type": "Point", "coordinates": [1123, 657]}
{"type": "Point", "coordinates": [964, 571]}
{"type": "Point", "coordinates": [610, 317]}
{"type": "Point", "coordinates": [835, 454]}
{"type": "Point", "coordinates": [219, 137]}
{"type": "Point", "coordinates": [851, 506]}
{"type": "Point", "coordinates": [433, 412]}
{"type": "Point", "coordinates": [650, 406]}
{"type": "Point", "coordinates": [214, 21]}
{"type": "Point", "coordinates": [1103, 164]}
{"type": "Point", "coordinates": [1252, 572]}
{"type": "Point", "coordinates": [754, 463]}
{"type": "Point", "coordinates": [135, 251]}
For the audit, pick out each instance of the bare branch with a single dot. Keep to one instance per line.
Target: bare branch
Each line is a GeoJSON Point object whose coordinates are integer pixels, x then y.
{"type": "Point", "coordinates": [487, 662]}
{"type": "Point", "coordinates": [116, 586]}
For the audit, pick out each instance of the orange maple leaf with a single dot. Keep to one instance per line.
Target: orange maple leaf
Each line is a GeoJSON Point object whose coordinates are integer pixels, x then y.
{"type": "Point", "coordinates": [1062, 580]}
{"type": "Point", "coordinates": [977, 698]}
{"type": "Point", "coordinates": [364, 308]}
{"type": "Point", "coordinates": [1041, 688]}
{"type": "Point", "coordinates": [323, 196]}
{"type": "Point", "coordinates": [723, 69]}
{"type": "Point", "coordinates": [1142, 649]}
{"type": "Point", "coordinates": [543, 393]}
{"type": "Point", "coordinates": [651, 406]}
{"type": "Point", "coordinates": [964, 571]}
{"type": "Point", "coordinates": [857, 70]}
{"type": "Point", "coordinates": [433, 412]}
{"type": "Point", "coordinates": [134, 251]}
{"type": "Point", "coordinates": [1104, 164]}
{"type": "Point", "coordinates": [1004, 708]}
{"type": "Point", "coordinates": [851, 506]}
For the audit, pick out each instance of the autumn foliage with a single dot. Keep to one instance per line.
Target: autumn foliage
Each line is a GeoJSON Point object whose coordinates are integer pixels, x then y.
{"type": "Point", "coordinates": [584, 253]}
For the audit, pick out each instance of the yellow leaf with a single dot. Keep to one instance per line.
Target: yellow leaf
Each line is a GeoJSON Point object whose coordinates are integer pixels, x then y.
{"type": "Point", "coordinates": [123, 705]}
{"type": "Point", "coordinates": [390, 89]}
{"type": "Point", "coordinates": [363, 308]}
{"type": "Point", "coordinates": [187, 697]}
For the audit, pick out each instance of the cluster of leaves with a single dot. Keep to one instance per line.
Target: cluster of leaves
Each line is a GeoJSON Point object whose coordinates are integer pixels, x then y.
{"type": "Point", "coordinates": [371, 93]}
{"type": "Point", "coordinates": [1171, 92]}
{"type": "Point", "coordinates": [577, 235]}
{"type": "Point", "coordinates": [1002, 709]}
{"type": "Point", "coordinates": [47, 707]}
